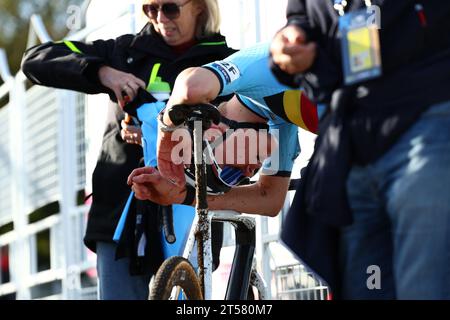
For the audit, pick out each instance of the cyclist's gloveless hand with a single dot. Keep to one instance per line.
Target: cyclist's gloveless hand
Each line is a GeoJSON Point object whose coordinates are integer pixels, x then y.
{"type": "Point", "coordinates": [148, 184]}
{"type": "Point", "coordinates": [170, 165]}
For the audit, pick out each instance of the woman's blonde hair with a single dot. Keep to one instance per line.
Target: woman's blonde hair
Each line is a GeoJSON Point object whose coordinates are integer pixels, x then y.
{"type": "Point", "coordinates": [209, 20]}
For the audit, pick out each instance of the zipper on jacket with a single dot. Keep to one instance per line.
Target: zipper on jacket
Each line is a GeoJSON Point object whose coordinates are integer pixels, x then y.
{"type": "Point", "coordinates": [421, 14]}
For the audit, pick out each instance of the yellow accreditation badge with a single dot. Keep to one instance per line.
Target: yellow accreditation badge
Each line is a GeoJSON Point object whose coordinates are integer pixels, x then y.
{"type": "Point", "coordinates": [360, 44]}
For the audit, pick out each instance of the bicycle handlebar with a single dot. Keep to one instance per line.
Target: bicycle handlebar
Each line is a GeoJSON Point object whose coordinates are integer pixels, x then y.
{"type": "Point", "coordinates": [205, 112]}
{"type": "Point", "coordinates": [167, 223]}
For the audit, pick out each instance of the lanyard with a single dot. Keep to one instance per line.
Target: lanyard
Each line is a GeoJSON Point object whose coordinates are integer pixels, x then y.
{"type": "Point", "coordinates": [340, 5]}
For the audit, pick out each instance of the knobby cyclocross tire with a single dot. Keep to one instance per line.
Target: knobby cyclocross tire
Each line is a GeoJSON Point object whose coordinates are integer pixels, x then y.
{"type": "Point", "coordinates": [176, 272]}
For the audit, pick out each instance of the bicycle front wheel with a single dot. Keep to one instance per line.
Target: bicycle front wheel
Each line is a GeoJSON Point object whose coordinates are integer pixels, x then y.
{"type": "Point", "coordinates": [176, 274]}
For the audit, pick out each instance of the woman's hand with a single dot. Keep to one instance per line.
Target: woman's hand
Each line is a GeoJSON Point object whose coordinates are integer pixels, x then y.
{"type": "Point", "coordinates": [148, 184]}
{"type": "Point", "coordinates": [291, 52]}
{"type": "Point", "coordinates": [131, 134]}
{"type": "Point", "coordinates": [124, 85]}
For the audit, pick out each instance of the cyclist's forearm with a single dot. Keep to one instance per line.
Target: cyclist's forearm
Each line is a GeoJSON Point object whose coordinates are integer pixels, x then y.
{"type": "Point", "coordinates": [266, 200]}
{"type": "Point", "coordinates": [196, 85]}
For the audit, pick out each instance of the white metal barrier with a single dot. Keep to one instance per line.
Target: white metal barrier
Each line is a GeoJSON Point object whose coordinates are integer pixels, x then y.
{"type": "Point", "coordinates": [296, 282]}
{"type": "Point", "coordinates": [41, 164]}
{"type": "Point", "coordinates": [5, 169]}
{"type": "Point", "coordinates": [42, 157]}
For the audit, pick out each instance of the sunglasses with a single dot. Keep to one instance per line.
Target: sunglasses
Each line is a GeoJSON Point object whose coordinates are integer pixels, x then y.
{"type": "Point", "coordinates": [170, 9]}
{"type": "Point", "coordinates": [230, 176]}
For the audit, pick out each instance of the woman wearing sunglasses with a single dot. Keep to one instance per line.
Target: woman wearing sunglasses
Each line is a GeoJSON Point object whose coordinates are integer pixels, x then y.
{"type": "Point", "coordinates": [136, 69]}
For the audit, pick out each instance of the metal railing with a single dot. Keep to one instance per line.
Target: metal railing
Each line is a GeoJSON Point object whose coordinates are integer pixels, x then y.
{"type": "Point", "coordinates": [296, 282]}
{"type": "Point", "coordinates": [42, 161]}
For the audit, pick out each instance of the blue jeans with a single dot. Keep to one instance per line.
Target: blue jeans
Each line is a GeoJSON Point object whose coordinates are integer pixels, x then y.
{"type": "Point", "coordinates": [401, 209]}
{"type": "Point", "coordinates": [115, 281]}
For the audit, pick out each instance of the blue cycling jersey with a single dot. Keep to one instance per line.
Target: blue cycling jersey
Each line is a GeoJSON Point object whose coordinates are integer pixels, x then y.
{"type": "Point", "coordinates": [247, 74]}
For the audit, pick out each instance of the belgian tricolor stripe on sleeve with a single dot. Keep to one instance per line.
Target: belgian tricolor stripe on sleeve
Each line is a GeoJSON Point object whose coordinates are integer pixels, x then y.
{"type": "Point", "coordinates": [295, 107]}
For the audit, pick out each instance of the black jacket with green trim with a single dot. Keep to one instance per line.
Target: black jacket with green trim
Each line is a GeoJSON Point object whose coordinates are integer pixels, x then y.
{"type": "Point", "coordinates": [74, 65]}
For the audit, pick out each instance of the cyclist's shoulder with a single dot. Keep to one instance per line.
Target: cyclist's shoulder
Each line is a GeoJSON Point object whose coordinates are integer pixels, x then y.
{"type": "Point", "coordinates": [255, 54]}
{"type": "Point", "coordinates": [249, 60]}
{"type": "Point", "coordinates": [259, 107]}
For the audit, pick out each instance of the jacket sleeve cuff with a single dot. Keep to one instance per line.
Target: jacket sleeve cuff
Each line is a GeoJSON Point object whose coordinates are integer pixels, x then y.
{"type": "Point", "coordinates": [91, 71]}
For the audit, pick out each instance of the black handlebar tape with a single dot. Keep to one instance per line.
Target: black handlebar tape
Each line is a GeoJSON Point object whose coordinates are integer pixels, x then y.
{"type": "Point", "coordinates": [167, 221]}
{"type": "Point", "coordinates": [181, 112]}
{"type": "Point", "coordinates": [214, 115]}
{"type": "Point", "coordinates": [178, 113]}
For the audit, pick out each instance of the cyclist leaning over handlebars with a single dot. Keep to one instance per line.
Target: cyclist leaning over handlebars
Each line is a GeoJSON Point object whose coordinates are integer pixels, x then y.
{"type": "Point", "coordinates": [259, 99]}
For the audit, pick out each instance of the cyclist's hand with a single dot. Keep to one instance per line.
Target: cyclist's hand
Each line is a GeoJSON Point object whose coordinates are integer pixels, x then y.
{"type": "Point", "coordinates": [148, 184]}
{"type": "Point", "coordinates": [131, 134]}
{"type": "Point", "coordinates": [291, 52]}
{"type": "Point", "coordinates": [170, 167]}
{"type": "Point", "coordinates": [124, 85]}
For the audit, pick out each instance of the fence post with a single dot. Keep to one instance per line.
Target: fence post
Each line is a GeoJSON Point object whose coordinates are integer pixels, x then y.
{"type": "Point", "coordinates": [263, 252]}
{"type": "Point", "coordinates": [71, 287]}
{"type": "Point", "coordinates": [20, 249]}
{"type": "Point", "coordinates": [257, 21]}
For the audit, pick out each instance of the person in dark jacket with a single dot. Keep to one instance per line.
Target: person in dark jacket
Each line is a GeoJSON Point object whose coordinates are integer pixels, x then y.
{"type": "Point", "coordinates": [141, 68]}
{"type": "Point", "coordinates": [373, 213]}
